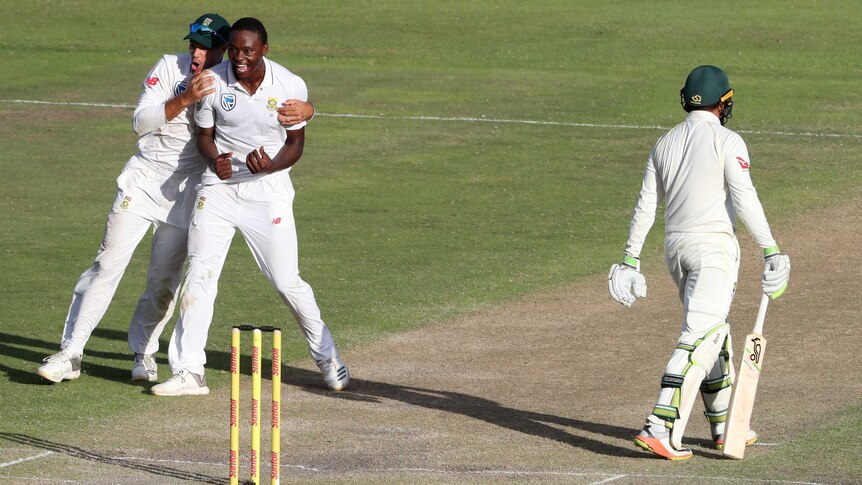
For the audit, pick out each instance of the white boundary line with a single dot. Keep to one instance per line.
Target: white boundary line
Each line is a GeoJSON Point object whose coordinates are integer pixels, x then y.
{"type": "Point", "coordinates": [469, 120]}
{"type": "Point", "coordinates": [64, 103]}
{"type": "Point", "coordinates": [22, 460]}
{"type": "Point", "coordinates": [37, 479]}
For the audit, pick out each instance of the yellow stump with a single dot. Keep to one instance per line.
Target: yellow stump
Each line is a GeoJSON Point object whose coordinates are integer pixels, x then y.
{"type": "Point", "coordinates": [255, 407]}
{"type": "Point", "coordinates": [234, 406]}
{"type": "Point", "coordinates": [276, 408]}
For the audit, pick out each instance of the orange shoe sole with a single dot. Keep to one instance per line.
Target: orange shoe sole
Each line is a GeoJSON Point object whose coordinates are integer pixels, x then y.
{"type": "Point", "coordinates": [655, 446]}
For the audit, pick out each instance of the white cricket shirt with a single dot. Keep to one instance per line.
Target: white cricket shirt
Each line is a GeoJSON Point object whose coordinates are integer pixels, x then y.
{"type": "Point", "coordinates": [244, 122]}
{"type": "Point", "coordinates": [700, 169]}
{"type": "Point", "coordinates": [168, 145]}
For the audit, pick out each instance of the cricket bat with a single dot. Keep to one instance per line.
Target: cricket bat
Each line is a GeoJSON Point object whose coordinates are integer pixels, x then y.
{"type": "Point", "coordinates": [745, 387]}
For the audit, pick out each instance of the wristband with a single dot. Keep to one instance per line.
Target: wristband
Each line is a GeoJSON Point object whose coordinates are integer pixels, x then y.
{"type": "Point", "coordinates": [631, 262]}
{"type": "Point", "coordinates": [770, 252]}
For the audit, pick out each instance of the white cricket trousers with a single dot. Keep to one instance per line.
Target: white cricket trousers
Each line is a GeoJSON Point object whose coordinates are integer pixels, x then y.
{"type": "Point", "coordinates": [146, 197]}
{"type": "Point", "coordinates": [263, 212]}
{"type": "Point", "coordinates": [705, 268]}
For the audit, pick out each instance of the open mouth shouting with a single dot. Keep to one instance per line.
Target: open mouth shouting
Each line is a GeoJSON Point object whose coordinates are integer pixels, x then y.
{"type": "Point", "coordinates": [241, 70]}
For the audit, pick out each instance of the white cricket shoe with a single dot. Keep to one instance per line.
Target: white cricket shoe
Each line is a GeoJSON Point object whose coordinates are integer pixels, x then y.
{"type": "Point", "coordinates": [335, 373]}
{"type": "Point", "coordinates": [655, 438]}
{"type": "Point", "coordinates": [60, 367]}
{"type": "Point", "coordinates": [145, 368]}
{"type": "Point", "coordinates": [183, 383]}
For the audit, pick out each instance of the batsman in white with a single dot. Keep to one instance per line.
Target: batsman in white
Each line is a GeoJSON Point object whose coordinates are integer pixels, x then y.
{"type": "Point", "coordinates": [156, 188]}
{"type": "Point", "coordinates": [701, 170]}
{"type": "Point", "coordinates": [247, 186]}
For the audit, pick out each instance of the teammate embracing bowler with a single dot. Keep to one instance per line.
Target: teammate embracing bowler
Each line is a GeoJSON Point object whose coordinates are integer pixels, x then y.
{"type": "Point", "coordinates": [247, 186]}
{"type": "Point", "coordinates": [155, 189]}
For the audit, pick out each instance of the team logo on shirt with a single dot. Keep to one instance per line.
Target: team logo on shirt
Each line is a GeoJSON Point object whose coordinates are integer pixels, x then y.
{"type": "Point", "coordinates": [152, 81]}
{"type": "Point", "coordinates": [126, 202]}
{"type": "Point", "coordinates": [228, 101]}
{"type": "Point", "coordinates": [271, 104]}
{"type": "Point", "coordinates": [742, 163]}
{"type": "Point", "coordinates": [201, 201]}
{"type": "Point", "coordinates": [180, 87]}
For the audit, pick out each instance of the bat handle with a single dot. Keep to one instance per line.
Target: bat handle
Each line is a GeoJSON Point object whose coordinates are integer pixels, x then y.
{"type": "Point", "coordinates": [761, 314]}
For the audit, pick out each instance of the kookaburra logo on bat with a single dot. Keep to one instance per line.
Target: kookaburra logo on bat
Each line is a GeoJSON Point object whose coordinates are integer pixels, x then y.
{"type": "Point", "coordinates": [755, 354]}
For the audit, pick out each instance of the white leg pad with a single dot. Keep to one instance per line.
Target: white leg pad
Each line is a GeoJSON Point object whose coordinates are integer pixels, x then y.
{"type": "Point", "coordinates": [703, 353]}
{"type": "Point", "coordinates": [687, 395]}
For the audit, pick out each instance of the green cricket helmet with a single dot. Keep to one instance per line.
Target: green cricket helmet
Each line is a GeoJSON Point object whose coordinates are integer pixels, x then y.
{"type": "Point", "coordinates": [705, 87]}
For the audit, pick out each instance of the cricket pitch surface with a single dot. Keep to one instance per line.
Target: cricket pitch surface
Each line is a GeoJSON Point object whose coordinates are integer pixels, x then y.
{"type": "Point", "coordinates": [548, 389]}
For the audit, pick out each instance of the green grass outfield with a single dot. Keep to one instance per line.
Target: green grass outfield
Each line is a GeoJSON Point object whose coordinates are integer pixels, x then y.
{"type": "Point", "coordinates": [406, 221]}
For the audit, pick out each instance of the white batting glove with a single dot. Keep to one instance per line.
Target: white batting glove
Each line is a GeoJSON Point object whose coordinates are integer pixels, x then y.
{"type": "Point", "coordinates": [776, 272]}
{"type": "Point", "coordinates": [625, 283]}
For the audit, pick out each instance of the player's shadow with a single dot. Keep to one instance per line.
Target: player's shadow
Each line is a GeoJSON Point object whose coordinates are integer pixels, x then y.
{"type": "Point", "coordinates": [522, 421]}
{"type": "Point", "coordinates": [27, 349]}
{"type": "Point", "coordinates": [82, 454]}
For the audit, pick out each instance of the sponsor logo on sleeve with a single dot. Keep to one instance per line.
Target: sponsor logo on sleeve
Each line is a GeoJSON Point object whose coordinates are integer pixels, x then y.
{"type": "Point", "coordinates": [152, 81]}
{"type": "Point", "coordinates": [742, 163]}
{"type": "Point", "coordinates": [228, 101]}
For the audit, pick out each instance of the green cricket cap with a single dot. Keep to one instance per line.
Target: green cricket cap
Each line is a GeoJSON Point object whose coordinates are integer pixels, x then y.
{"type": "Point", "coordinates": [209, 30]}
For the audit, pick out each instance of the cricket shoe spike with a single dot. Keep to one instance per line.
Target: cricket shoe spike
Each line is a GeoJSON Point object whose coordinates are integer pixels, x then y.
{"type": "Point", "coordinates": [145, 368]}
{"type": "Point", "coordinates": [335, 372]}
{"type": "Point", "coordinates": [61, 366]}
{"type": "Point", "coordinates": [656, 439]}
{"type": "Point", "coordinates": [183, 383]}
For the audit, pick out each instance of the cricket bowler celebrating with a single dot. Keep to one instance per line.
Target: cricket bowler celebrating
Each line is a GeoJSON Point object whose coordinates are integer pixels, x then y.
{"type": "Point", "coordinates": [701, 170]}
{"type": "Point", "coordinates": [156, 188]}
{"type": "Point", "coordinates": [247, 186]}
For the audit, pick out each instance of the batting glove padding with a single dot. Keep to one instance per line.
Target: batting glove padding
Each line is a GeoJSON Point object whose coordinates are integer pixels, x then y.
{"type": "Point", "coordinates": [776, 272]}
{"type": "Point", "coordinates": [625, 284]}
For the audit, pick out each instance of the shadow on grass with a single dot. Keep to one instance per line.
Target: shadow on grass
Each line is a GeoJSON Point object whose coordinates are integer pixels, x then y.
{"type": "Point", "coordinates": [522, 421]}
{"type": "Point", "coordinates": [27, 349]}
{"type": "Point", "coordinates": [82, 454]}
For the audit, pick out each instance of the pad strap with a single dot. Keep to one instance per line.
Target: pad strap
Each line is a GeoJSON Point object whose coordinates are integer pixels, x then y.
{"type": "Point", "coordinates": [715, 417]}
{"type": "Point", "coordinates": [667, 413]}
{"type": "Point", "coordinates": [714, 385]}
